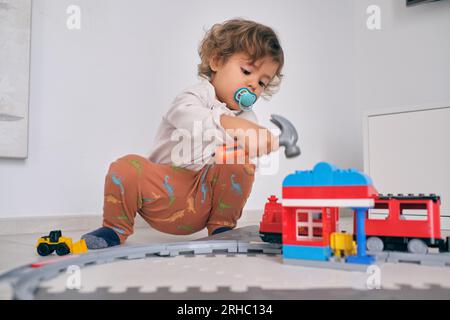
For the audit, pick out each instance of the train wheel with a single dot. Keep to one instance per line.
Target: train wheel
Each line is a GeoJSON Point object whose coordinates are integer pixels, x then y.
{"type": "Point", "coordinates": [62, 249]}
{"type": "Point", "coordinates": [271, 237]}
{"type": "Point", "coordinates": [417, 246]}
{"type": "Point", "coordinates": [44, 249]}
{"type": "Point", "coordinates": [374, 244]}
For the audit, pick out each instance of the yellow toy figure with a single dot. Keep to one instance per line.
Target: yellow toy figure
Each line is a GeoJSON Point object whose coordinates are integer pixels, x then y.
{"type": "Point", "coordinates": [342, 244]}
{"type": "Point", "coordinates": [62, 245]}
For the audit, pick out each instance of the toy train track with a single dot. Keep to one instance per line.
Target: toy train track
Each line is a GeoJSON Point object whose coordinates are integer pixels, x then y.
{"type": "Point", "coordinates": [25, 280]}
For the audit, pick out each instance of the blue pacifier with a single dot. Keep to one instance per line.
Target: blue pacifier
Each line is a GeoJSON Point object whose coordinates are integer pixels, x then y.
{"type": "Point", "coordinates": [245, 98]}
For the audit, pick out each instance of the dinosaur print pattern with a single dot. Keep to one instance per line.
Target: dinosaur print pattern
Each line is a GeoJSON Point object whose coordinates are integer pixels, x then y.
{"type": "Point", "coordinates": [222, 205]}
{"type": "Point", "coordinates": [204, 189]}
{"type": "Point", "coordinates": [223, 223]}
{"type": "Point", "coordinates": [169, 189]}
{"type": "Point", "coordinates": [137, 165]}
{"type": "Point", "coordinates": [155, 196]}
{"type": "Point", "coordinates": [139, 202]}
{"type": "Point", "coordinates": [174, 217]}
{"type": "Point", "coordinates": [123, 216]}
{"type": "Point", "coordinates": [118, 230]}
{"type": "Point", "coordinates": [235, 186]}
{"type": "Point", "coordinates": [180, 213]}
{"type": "Point", "coordinates": [178, 200]}
{"type": "Point", "coordinates": [117, 181]}
{"type": "Point", "coordinates": [111, 199]}
{"type": "Point", "coordinates": [190, 205]}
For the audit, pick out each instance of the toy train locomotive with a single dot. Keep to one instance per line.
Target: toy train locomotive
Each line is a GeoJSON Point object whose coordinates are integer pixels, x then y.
{"type": "Point", "coordinates": [396, 223]}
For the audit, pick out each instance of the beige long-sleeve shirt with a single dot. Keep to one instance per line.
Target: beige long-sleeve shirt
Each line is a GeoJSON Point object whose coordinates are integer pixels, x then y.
{"type": "Point", "coordinates": [191, 130]}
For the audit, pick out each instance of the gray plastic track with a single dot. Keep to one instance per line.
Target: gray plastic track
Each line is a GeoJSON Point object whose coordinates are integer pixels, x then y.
{"type": "Point", "coordinates": [403, 292]}
{"type": "Point", "coordinates": [28, 279]}
{"type": "Point", "coordinates": [25, 280]}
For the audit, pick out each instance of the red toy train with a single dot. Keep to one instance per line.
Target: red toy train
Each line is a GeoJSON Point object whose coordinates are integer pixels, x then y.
{"type": "Point", "coordinates": [405, 223]}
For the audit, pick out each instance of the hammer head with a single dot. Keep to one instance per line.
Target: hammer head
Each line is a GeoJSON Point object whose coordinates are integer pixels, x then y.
{"type": "Point", "coordinates": [288, 137]}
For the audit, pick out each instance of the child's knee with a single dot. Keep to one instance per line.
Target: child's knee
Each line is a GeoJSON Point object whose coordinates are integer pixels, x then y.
{"type": "Point", "coordinates": [130, 166]}
{"type": "Point", "coordinates": [131, 157]}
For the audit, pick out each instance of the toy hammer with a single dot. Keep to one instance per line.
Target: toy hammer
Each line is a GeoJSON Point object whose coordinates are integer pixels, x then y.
{"type": "Point", "coordinates": [288, 137]}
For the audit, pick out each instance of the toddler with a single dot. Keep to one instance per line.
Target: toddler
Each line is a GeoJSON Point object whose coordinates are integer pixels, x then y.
{"type": "Point", "coordinates": [184, 192]}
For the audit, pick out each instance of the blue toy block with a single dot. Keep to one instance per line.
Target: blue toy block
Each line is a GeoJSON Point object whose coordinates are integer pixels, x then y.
{"type": "Point", "coordinates": [326, 174]}
{"type": "Point", "coordinates": [306, 252]}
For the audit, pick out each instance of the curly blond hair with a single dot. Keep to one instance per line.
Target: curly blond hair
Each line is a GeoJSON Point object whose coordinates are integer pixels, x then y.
{"type": "Point", "coordinates": [241, 36]}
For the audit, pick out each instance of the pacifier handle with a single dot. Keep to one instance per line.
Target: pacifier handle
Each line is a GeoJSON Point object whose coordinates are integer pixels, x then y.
{"type": "Point", "coordinates": [245, 98]}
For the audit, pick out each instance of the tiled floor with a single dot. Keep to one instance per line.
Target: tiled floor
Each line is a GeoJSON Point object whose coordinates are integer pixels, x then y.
{"type": "Point", "coordinates": [237, 273]}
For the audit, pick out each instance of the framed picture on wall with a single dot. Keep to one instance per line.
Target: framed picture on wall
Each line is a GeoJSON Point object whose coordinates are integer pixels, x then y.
{"type": "Point", "coordinates": [15, 25]}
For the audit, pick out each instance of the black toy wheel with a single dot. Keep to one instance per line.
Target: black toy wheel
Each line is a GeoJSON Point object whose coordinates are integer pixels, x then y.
{"type": "Point", "coordinates": [270, 237]}
{"type": "Point", "coordinates": [44, 249]}
{"type": "Point", "coordinates": [62, 249]}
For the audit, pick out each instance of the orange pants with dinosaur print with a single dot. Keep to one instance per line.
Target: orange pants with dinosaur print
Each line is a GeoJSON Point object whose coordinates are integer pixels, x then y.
{"type": "Point", "coordinates": [172, 199]}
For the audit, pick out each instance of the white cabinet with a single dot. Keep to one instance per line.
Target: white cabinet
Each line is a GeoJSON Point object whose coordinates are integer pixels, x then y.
{"type": "Point", "coordinates": [408, 151]}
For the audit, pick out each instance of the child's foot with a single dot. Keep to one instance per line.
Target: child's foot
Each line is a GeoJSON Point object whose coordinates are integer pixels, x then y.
{"type": "Point", "coordinates": [101, 238]}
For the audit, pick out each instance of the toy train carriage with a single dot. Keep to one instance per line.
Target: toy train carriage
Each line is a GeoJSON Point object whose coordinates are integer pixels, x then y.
{"type": "Point", "coordinates": [405, 223]}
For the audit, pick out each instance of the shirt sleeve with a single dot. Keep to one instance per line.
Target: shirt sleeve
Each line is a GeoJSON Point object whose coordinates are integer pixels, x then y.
{"type": "Point", "coordinates": [190, 112]}
{"type": "Point", "coordinates": [249, 115]}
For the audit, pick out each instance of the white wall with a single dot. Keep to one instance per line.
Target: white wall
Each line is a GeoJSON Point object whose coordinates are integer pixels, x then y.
{"type": "Point", "coordinates": [406, 63]}
{"type": "Point", "coordinates": [405, 66]}
{"type": "Point", "coordinates": [99, 93]}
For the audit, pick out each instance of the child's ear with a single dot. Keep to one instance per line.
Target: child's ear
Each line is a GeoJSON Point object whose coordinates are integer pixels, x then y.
{"type": "Point", "coordinates": [214, 63]}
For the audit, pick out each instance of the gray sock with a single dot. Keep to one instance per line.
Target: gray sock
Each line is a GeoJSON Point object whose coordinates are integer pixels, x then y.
{"type": "Point", "coordinates": [101, 238]}
{"type": "Point", "coordinates": [94, 242]}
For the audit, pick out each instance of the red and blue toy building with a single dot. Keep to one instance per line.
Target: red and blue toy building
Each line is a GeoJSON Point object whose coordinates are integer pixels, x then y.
{"type": "Point", "coordinates": [311, 200]}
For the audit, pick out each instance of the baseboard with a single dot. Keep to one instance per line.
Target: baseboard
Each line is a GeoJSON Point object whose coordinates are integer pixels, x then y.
{"type": "Point", "coordinates": [24, 225]}
{"type": "Point", "coordinates": [44, 224]}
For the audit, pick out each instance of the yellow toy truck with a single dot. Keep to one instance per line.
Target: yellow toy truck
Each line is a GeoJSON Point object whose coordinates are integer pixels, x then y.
{"type": "Point", "coordinates": [62, 245]}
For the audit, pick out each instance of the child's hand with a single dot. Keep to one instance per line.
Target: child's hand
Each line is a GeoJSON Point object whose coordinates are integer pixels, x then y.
{"type": "Point", "coordinates": [274, 142]}
{"type": "Point", "coordinates": [234, 154]}
{"type": "Point", "coordinates": [257, 144]}
{"type": "Point", "coordinates": [267, 143]}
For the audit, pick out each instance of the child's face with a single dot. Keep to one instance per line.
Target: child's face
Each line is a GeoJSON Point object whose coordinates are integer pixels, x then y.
{"type": "Point", "coordinates": [238, 72]}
